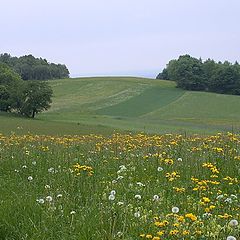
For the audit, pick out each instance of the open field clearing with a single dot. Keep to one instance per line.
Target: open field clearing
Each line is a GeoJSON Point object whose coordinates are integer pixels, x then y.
{"type": "Point", "coordinates": [102, 104]}
{"type": "Point", "coordinates": [120, 187]}
{"type": "Point", "coordinates": [138, 104]}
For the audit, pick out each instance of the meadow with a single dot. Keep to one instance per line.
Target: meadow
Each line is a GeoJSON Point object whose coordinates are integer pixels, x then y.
{"type": "Point", "coordinates": [103, 104]}
{"type": "Point", "coordinates": [124, 186]}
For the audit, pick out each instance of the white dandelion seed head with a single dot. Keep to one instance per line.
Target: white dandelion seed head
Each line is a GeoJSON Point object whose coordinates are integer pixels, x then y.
{"type": "Point", "coordinates": [137, 214]}
{"type": "Point", "coordinates": [72, 212]}
{"type": "Point", "coordinates": [219, 197]}
{"type": "Point", "coordinates": [120, 203]}
{"type": "Point", "coordinates": [233, 223]}
{"type": "Point", "coordinates": [137, 196]}
{"type": "Point", "coordinates": [156, 198]}
{"type": "Point", "coordinates": [59, 195]}
{"type": "Point", "coordinates": [119, 177]}
{"type": "Point", "coordinates": [111, 197]}
{"type": "Point", "coordinates": [175, 210]}
{"type": "Point", "coordinates": [113, 192]}
{"type": "Point", "coordinates": [40, 201]}
{"type": "Point", "coordinates": [51, 170]}
{"type": "Point", "coordinates": [233, 196]}
{"type": "Point", "coordinates": [228, 200]}
{"type": "Point", "coordinates": [207, 215]}
{"type": "Point", "coordinates": [140, 184]}
{"type": "Point", "coordinates": [30, 178]}
{"type": "Point", "coordinates": [49, 199]}
{"type": "Point", "coordinates": [47, 186]}
{"type": "Point", "coordinates": [24, 166]}
{"type": "Point", "coordinates": [159, 169]}
{"type": "Point", "coordinates": [179, 159]}
{"type": "Point", "coordinates": [231, 238]}
{"type": "Point", "coordinates": [122, 168]}
{"type": "Point", "coordinates": [34, 163]}
{"type": "Point", "coordinates": [114, 181]}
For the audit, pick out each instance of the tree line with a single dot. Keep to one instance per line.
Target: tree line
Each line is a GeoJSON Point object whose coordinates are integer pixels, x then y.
{"type": "Point", "coordinates": [194, 74]}
{"type": "Point", "coordinates": [24, 97]}
{"type": "Point", "coordinates": [31, 68]}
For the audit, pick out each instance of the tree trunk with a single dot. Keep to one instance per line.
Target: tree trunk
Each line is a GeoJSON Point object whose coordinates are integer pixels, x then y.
{"type": "Point", "coordinates": [33, 114]}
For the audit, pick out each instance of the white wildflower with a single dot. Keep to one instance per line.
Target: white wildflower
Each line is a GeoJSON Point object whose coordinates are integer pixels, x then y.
{"type": "Point", "coordinates": [159, 169]}
{"type": "Point", "coordinates": [228, 200]}
{"type": "Point", "coordinates": [175, 210]}
{"type": "Point", "coordinates": [40, 200]}
{"type": "Point", "coordinates": [233, 196]}
{"type": "Point", "coordinates": [207, 215]}
{"type": "Point", "coordinates": [137, 196]}
{"type": "Point", "coordinates": [156, 198]}
{"type": "Point", "coordinates": [231, 238]}
{"type": "Point", "coordinates": [51, 170]}
{"type": "Point", "coordinates": [111, 197]}
{"type": "Point", "coordinates": [140, 184]}
{"type": "Point", "coordinates": [49, 198]}
{"type": "Point", "coordinates": [113, 192]}
{"type": "Point", "coordinates": [137, 214]}
{"type": "Point", "coordinates": [233, 223]}
{"type": "Point", "coordinates": [119, 177]}
{"type": "Point", "coordinates": [123, 168]}
{"type": "Point", "coordinates": [219, 197]}
{"type": "Point", "coordinates": [30, 178]}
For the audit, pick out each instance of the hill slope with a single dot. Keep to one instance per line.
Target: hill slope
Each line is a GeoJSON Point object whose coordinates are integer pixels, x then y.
{"type": "Point", "coordinates": [137, 104]}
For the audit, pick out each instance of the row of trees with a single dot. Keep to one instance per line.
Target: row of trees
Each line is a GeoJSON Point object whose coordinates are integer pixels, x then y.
{"type": "Point", "coordinates": [193, 74]}
{"type": "Point", "coordinates": [31, 68]}
{"type": "Point", "coordinates": [24, 97]}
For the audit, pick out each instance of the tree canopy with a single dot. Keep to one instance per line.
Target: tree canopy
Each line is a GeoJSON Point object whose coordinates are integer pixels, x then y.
{"type": "Point", "coordinates": [193, 74]}
{"type": "Point", "coordinates": [24, 97]}
{"type": "Point", "coordinates": [31, 68]}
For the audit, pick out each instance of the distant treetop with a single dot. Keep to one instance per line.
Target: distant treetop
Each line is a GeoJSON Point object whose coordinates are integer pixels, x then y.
{"type": "Point", "coordinates": [31, 68]}
{"type": "Point", "coordinates": [193, 74]}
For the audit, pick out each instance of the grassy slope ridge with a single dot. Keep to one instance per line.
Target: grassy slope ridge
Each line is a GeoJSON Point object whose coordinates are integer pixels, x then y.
{"type": "Point", "coordinates": [102, 104]}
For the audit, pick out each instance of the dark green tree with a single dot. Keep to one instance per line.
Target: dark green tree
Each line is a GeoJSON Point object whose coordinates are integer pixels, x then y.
{"type": "Point", "coordinates": [10, 82]}
{"type": "Point", "coordinates": [226, 79]}
{"type": "Point", "coordinates": [37, 98]}
{"type": "Point", "coordinates": [163, 75]}
{"type": "Point", "coordinates": [187, 72]}
{"type": "Point", "coordinates": [31, 68]}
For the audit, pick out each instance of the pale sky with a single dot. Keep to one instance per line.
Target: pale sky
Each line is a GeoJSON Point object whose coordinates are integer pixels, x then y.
{"type": "Point", "coordinates": [120, 37]}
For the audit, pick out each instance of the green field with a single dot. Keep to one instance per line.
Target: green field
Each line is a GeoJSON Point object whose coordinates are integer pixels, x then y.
{"type": "Point", "coordinates": [105, 104]}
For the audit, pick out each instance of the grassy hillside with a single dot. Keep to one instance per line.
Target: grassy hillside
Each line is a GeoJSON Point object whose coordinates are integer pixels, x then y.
{"type": "Point", "coordinates": [89, 105]}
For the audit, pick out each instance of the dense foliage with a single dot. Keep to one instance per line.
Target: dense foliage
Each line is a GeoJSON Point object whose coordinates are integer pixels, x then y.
{"type": "Point", "coordinates": [31, 68]}
{"type": "Point", "coordinates": [26, 98]}
{"type": "Point", "coordinates": [193, 74]}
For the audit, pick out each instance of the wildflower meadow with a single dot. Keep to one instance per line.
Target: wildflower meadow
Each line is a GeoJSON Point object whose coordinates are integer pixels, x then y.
{"type": "Point", "coordinates": [124, 186]}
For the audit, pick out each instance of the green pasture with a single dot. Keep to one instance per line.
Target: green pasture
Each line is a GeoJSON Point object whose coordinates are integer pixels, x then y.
{"type": "Point", "coordinates": [105, 104]}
